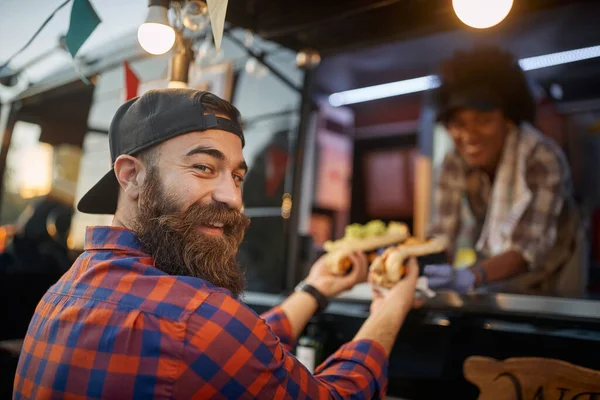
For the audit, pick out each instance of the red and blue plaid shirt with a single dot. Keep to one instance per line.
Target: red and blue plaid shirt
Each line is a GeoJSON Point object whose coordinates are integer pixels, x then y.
{"type": "Point", "coordinates": [114, 326]}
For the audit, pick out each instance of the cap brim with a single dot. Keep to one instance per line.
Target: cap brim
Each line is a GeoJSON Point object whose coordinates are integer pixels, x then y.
{"type": "Point", "coordinates": [102, 197]}
{"type": "Point", "coordinates": [474, 101]}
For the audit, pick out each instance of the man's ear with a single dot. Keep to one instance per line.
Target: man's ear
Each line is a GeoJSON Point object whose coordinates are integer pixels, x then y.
{"type": "Point", "coordinates": [130, 173]}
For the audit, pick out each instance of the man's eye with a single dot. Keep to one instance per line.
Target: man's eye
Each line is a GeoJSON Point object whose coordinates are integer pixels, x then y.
{"type": "Point", "coordinates": [238, 178]}
{"type": "Point", "coordinates": [202, 168]}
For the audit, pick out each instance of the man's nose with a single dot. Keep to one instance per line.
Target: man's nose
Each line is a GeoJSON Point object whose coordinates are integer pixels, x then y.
{"type": "Point", "coordinates": [228, 192]}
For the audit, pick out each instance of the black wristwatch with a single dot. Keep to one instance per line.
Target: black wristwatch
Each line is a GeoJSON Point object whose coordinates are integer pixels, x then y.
{"type": "Point", "coordinates": [322, 301]}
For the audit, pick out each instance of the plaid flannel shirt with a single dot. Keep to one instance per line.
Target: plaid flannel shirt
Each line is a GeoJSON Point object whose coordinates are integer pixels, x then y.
{"type": "Point", "coordinates": [546, 174]}
{"type": "Point", "coordinates": [116, 327]}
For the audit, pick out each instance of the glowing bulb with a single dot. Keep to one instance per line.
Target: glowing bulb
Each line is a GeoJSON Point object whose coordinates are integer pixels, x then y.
{"type": "Point", "coordinates": [482, 14]}
{"type": "Point", "coordinates": [156, 38]}
{"type": "Point", "coordinates": [155, 35]}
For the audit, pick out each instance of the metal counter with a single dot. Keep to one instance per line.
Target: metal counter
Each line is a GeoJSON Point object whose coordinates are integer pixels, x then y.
{"type": "Point", "coordinates": [355, 303]}
{"type": "Point", "coordinates": [429, 353]}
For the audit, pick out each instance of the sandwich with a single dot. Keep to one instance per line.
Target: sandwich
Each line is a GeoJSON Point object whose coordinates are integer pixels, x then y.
{"type": "Point", "coordinates": [371, 238]}
{"type": "Point", "coordinates": [388, 268]}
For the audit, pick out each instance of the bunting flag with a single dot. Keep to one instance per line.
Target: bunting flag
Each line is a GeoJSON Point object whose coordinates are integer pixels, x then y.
{"type": "Point", "coordinates": [84, 21]}
{"type": "Point", "coordinates": [132, 82]}
{"type": "Point", "coordinates": [216, 12]}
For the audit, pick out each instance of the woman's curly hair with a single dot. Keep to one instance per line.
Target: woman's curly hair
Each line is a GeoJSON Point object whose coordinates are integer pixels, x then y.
{"type": "Point", "coordinates": [491, 69]}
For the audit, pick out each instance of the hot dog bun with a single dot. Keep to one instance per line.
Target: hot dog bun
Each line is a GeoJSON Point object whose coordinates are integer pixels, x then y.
{"type": "Point", "coordinates": [339, 250]}
{"type": "Point", "coordinates": [387, 269]}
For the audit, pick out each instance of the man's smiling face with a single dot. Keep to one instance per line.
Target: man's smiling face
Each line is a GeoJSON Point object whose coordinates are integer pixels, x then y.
{"type": "Point", "coordinates": [190, 217]}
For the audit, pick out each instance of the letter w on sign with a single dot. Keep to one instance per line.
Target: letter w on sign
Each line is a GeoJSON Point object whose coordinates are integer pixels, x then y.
{"type": "Point", "coordinates": [531, 379]}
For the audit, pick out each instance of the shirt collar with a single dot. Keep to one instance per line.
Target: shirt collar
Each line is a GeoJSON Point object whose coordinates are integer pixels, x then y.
{"type": "Point", "coordinates": [111, 238]}
{"type": "Point", "coordinates": [118, 238]}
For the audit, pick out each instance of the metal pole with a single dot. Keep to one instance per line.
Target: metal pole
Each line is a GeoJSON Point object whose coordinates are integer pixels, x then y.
{"type": "Point", "coordinates": [179, 64]}
{"type": "Point", "coordinates": [424, 168]}
{"type": "Point", "coordinates": [8, 120]}
{"type": "Point", "coordinates": [293, 249]}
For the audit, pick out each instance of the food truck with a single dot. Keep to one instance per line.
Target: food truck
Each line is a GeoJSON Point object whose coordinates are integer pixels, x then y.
{"type": "Point", "coordinates": [321, 157]}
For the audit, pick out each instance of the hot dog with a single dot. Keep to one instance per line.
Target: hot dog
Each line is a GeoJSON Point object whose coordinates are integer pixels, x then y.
{"type": "Point", "coordinates": [388, 268]}
{"type": "Point", "coordinates": [369, 238]}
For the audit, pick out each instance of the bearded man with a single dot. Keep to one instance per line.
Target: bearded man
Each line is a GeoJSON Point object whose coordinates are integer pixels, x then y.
{"type": "Point", "coordinates": [151, 308]}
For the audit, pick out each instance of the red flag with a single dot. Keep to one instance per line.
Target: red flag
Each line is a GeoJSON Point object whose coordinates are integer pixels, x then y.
{"type": "Point", "coordinates": [132, 82]}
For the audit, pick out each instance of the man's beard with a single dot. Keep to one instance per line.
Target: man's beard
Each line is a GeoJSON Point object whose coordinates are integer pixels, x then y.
{"type": "Point", "coordinates": [171, 236]}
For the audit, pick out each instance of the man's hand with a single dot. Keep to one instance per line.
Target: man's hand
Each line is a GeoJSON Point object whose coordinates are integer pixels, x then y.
{"type": "Point", "coordinates": [447, 277]}
{"type": "Point", "coordinates": [300, 306]}
{"type": "Point", "coordinates": [332, 285]}
{"type": "Point", "coordinates": [389, 310]}
{"type": "Point", "coordinates": [399, 298]}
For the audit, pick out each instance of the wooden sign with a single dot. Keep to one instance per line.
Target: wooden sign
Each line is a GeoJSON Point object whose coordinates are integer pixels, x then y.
{"type": "Point", "coordinates": [531, 379]}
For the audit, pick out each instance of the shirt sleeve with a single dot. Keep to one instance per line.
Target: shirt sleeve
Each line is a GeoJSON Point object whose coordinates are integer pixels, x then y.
{"type": "Point", "coordinates": [230, 352]}
{"type": "Point", "coordinates": [547, 177]}
{"type": "Point", "coordinates": [446, 198]}
{"type": "Point", "coordinates": [280, 325]}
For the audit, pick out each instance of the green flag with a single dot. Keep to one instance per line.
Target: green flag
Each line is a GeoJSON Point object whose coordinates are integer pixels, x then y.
{"type": "Point", "coordinates": [84, 21]}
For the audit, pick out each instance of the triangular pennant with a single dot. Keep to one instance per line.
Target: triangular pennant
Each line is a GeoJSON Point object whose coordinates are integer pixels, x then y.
{"type": "Point", "coordinates": [132, 82]}
{"type": "Point", "coordinates": [216, 12]}
{"type": "Point", "coordinates": [84, 21]}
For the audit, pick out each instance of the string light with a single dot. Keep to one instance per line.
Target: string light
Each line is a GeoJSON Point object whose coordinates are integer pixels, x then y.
{"type": "Point", "coordinates": [482, 14]}
{"type": "Point", "coordinates": [155, 35]}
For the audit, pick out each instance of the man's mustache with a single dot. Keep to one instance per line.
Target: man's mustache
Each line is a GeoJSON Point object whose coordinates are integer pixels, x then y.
{"type": "Point", "coordinates": [210, 214]}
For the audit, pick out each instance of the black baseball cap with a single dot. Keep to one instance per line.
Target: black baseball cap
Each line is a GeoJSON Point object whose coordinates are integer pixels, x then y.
{"type": "Point", "coordinates": [145, 121]}
{"type": "Point", "coordinates": [478, 98]}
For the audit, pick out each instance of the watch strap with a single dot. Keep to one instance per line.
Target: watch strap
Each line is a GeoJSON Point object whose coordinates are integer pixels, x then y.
{"type": "Point", "coordinates": [321, 299]}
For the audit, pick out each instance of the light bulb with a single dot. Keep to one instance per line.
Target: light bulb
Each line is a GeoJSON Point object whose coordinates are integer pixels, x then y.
{"type": "Point", "coordinates": [195, 15]}
{"type": "Point", "coordinates": [156, 38]}
{"type": "Point", "coordinates": [482, 14]}
{"type": "Point", "coordinates": [155, 35]}
{"type": "Point", "coordinates": [308, 59]}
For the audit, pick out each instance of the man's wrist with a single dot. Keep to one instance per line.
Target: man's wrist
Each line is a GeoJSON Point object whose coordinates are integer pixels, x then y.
{"type": "Point", "coordinates": [315, 292]}
{"type": "Point", "coordinates": [321, 287]}
{"type": "Point", "coordinates": [391, 313]}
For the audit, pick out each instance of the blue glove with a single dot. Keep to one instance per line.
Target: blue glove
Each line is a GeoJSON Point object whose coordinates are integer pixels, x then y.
{"type": "Point", "coordinates": [381, 250]}
{"type": "Point", "coordinates": [444, 276]}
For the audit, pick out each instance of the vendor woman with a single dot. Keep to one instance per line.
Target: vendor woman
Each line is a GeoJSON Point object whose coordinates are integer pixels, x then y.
{"type": "Point", "coordinates": [505, 188]}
